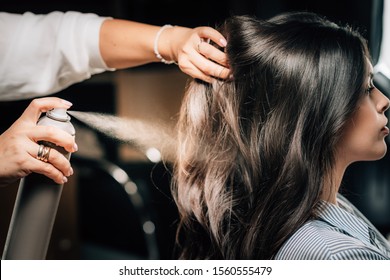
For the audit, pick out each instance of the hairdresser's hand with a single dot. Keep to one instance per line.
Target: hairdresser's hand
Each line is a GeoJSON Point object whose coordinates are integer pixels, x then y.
{"type": "Point", "coordinates": [195, 56]}
{"type": "Point", "coordinates": [19, 148]}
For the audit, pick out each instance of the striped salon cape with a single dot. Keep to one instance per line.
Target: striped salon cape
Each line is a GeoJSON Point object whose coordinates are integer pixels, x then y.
{"type": "Point", "coordinates": [340, 232]}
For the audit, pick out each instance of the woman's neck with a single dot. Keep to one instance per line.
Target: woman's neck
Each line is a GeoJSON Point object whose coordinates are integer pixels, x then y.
{"type": "Point", "coordinates": [333, 182]}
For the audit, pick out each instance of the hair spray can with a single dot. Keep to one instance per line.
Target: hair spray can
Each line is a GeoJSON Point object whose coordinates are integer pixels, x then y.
{"type": "Point", "coordinates": [36, 203]}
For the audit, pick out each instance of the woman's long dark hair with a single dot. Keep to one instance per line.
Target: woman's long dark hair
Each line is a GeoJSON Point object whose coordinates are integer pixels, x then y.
{"type": "Point", "coordinates": [255, 151]}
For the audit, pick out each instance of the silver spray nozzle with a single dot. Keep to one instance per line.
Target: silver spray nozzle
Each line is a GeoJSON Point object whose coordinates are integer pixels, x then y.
{"type": "Point", "coordinates": [58, 114]}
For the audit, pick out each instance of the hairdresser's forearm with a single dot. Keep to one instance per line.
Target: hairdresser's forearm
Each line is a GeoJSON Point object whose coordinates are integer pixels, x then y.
{"type": "Point", "coordinates": [126, 44]}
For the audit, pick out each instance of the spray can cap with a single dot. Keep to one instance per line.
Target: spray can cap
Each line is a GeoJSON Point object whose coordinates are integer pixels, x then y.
{"type": "Point", "coordinates": [58, 114]}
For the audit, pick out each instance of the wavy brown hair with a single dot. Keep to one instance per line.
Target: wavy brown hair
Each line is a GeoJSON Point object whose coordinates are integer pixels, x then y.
{"type": "Point", "coordinates": [254, 151]}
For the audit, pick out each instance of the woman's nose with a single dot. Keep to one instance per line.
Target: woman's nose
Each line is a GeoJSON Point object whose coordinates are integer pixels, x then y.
{"type": "Point", "coordinates": [384, 103]}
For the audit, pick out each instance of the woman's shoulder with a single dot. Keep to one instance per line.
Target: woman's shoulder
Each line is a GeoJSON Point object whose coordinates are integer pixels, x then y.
{"type": "Point", "coordinates": [318, 240]}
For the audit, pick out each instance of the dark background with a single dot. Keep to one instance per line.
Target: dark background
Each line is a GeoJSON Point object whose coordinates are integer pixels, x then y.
{"type": "Point", "coordinates": [200, 12]}
{"type": "Point", "coordinates": [107, 224]}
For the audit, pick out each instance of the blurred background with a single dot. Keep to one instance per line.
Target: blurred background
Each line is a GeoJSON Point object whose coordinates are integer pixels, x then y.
{"type": "Point", "coordinates": [117, 204]}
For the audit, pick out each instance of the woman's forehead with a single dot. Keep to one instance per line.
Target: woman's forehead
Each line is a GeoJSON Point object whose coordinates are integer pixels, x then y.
{"type": "Point", "coordinates": [370, 67]}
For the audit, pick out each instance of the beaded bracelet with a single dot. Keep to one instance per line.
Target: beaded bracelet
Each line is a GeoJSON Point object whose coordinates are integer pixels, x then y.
{"type": "Point", "coordinates": [158, 55]}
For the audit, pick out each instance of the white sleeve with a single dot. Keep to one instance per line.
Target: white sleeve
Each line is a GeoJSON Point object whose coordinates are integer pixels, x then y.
{"type": "Point", "coordinates": [43, 54]}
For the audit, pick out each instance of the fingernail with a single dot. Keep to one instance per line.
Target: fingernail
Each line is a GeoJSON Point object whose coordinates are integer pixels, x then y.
{"type": "Point", "coordinates": [75, 147]}
{"type": "Point", "coordinates": [64, 179]}
{"type": "Point", "coordinates": [71, 171]}
{"type": "Point", "coordinates": [223, 42]}
{"type": "Point", "coordinates": [66, 102]}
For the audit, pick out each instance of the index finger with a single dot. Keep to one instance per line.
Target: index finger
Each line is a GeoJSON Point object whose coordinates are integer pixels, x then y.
{"type": "Point", "coordinates": [213, 34]}
{"type": "Point", "coordinates": [40, 105]}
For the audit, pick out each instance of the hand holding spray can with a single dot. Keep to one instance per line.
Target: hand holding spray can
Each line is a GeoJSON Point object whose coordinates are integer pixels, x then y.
{"type": "Point", "coordinates": [37, 201]}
